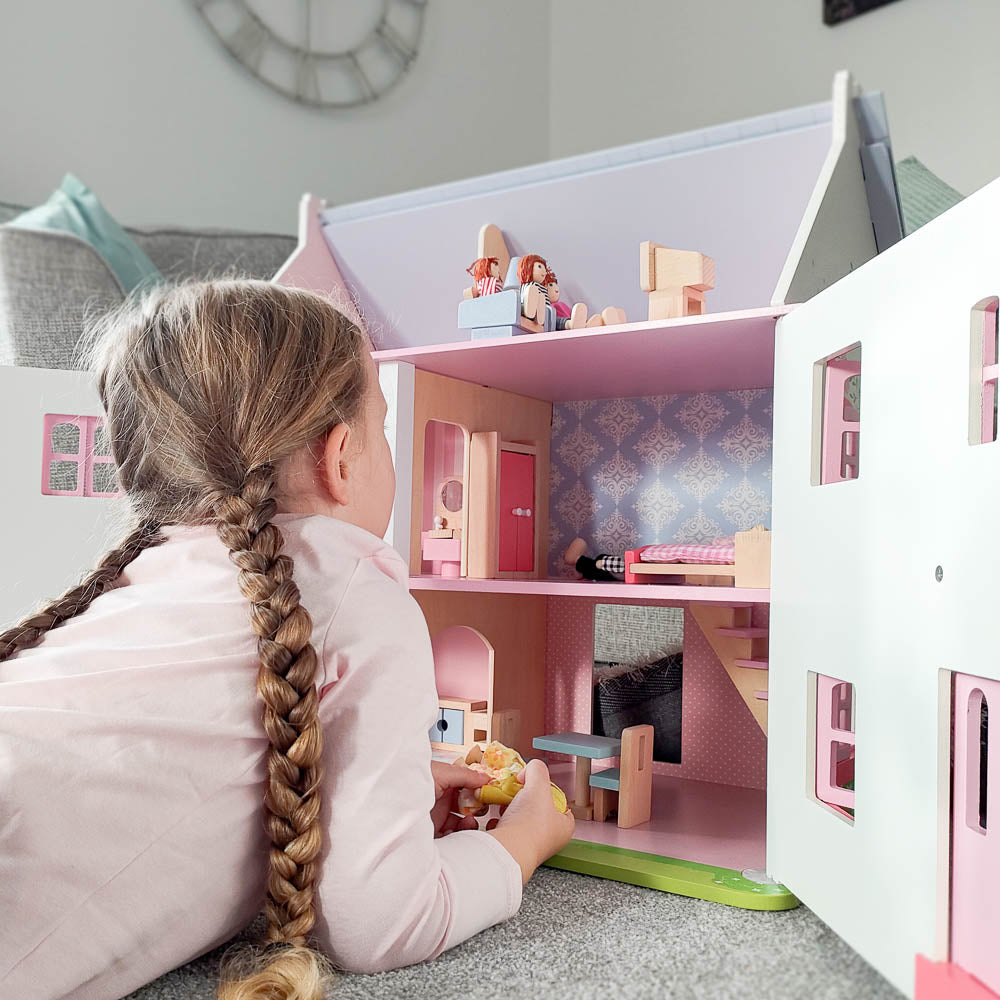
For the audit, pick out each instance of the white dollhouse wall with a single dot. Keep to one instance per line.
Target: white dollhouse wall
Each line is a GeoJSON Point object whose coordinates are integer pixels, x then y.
{"type": "Point", "coordinates": [48, 542]}
{"type": "Point", "coordinates": [855, 593]}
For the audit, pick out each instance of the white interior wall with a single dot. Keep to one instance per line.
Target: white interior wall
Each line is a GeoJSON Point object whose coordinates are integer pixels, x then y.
{"type": "Point", "coordinates": [145, 105]}
{"type": "Point", "coordinates": [636, 69]}
{"type": "Point", "coordinates": [141, 100]}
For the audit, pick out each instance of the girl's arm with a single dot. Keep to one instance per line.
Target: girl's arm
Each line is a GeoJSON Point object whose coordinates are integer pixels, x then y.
{"type": "Point", "coordinates": [389, 894]}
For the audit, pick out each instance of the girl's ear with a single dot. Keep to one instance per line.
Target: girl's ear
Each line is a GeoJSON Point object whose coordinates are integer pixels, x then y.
{"type": "Point", "coordinates": [334, 464]}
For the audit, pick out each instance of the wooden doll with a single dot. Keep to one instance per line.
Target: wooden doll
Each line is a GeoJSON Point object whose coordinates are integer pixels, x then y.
{"type": "Point", "coordinates": [563, 311]}
{"type": "Point", "coordinates": [486, 274]}
{"type": "Point", "coordinates": [531, 273]}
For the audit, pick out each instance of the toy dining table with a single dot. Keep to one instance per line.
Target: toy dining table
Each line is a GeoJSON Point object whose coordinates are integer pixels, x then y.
{"type": "Point", "coordinates": [586, 748]}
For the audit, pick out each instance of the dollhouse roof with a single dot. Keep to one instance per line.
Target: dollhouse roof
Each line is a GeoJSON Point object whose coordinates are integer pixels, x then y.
{"type": "Point", "coordinates": [738, 192]}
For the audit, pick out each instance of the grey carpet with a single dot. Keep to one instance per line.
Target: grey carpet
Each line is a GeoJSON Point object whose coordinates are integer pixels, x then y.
{"type": "Point", "coordinates": [592, 939]}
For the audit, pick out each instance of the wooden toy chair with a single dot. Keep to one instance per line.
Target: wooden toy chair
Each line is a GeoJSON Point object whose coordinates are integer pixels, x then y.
{"type": "Point", "coordinates": [628, 787]}
{"type": "Point", "coordinates": [675, 279]}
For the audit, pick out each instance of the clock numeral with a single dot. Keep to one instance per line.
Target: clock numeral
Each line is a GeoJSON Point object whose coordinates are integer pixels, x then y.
{"type": "Point", "coordinates": [395, 45]}
{"type": "Point", "coordinates": [307, 78]}
{"type": "Point", "coordinates": [248, 42]}
{"type": "Point", "coordinates": [366, 85]}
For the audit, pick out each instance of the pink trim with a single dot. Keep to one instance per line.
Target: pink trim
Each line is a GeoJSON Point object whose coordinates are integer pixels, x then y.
{"type": "Point", "coordinates": [709, 353]}
{"type": "Point", "coordinates": [51, 421]}
{"type": "Point", "coordinates": [975, 862]}
{"type": "Point", "coordinates": [653, 593]}
{"type": "Point", "coordinates": [990, 369]}
{"type": "Point", "coordinates": [947, 981]}
{"type": "Point", "coordinates": [84, 457]}
{"type": "Point", "coordinates": [841, 428]}
{"type": "Point", "coordinates": [834, 699]}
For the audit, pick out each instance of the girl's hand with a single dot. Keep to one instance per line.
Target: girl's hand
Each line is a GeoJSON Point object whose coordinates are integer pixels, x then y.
{"type": "Point", "coordinates": [448, 779]}
{"type": "Point", "coordinates": [531, 828]}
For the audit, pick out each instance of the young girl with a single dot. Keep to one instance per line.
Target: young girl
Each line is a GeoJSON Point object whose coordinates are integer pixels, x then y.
{"type": "Point", "coordinates": [246, 422]}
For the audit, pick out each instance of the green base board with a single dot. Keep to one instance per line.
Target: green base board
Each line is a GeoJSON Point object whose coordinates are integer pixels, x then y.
{"type": "Point", "coordinates": [686, 878]}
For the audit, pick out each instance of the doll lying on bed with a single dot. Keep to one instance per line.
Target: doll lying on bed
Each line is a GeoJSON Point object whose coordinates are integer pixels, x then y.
{"type": "Point", "coordinates": [606, 568]}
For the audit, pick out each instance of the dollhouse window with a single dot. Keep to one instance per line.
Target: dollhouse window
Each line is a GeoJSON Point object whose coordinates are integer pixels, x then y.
{"type": "Point", "coordinates": [638, 674]}
{"type": "Point", "coordinates": [835, 708]}
{"type": "Point", "coordinates": [838, 435]}
{"type": "Point", "coordinates": [983, 371]}
{"type": "Point", "coordinates": [978, 732]}
{"type": "Point", "coordinates": [76, 457]}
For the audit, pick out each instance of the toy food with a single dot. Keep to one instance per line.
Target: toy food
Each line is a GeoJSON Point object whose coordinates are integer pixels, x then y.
{"type": "Point", "coordinates": [502, 765]}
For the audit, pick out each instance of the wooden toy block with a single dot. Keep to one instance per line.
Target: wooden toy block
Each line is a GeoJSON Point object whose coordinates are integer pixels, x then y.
{"type": "Point", "coordinates": [676, 280]}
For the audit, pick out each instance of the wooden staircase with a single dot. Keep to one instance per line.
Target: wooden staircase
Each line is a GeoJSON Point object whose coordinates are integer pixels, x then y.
{"type": "Point", "coordinates": [742, 650]}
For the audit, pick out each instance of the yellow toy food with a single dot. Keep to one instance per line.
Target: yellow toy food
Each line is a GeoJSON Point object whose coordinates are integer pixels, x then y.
{"type": "Point", "coordinates": [502, 765]}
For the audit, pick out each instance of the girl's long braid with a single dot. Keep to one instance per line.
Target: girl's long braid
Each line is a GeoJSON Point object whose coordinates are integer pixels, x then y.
{"type": "Point", "coordinates": [286, 685]}
{"type": "Point", "coordinates": [30, 630]}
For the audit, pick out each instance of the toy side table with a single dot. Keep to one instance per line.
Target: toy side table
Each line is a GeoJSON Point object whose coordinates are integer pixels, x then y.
{"type": "Point", "coordinates": [586, 748]}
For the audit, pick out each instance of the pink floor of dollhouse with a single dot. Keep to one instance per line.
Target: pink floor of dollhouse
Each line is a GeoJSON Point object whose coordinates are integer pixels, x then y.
{"type": "Point", "coordinates": [703, 821]}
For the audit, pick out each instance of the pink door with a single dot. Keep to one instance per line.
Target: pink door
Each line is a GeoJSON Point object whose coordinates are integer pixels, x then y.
{"type": "Point", "coordinates": [517, 513]}
{"type": "Point", "coordinates": [975, 840]}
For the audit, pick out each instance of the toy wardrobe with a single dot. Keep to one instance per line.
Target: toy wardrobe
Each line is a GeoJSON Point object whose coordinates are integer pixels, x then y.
{"type": "Point", "coordinates": [818, 710]}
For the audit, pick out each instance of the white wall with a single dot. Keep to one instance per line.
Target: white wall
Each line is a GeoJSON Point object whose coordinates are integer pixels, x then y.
{"type": "Point", "coordinates": [633, 69]}
{"type": "Point", "coordinates": [140, 99]}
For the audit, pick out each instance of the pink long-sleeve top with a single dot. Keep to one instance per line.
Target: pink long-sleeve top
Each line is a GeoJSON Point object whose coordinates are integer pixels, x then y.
{"type": "Point", "coordinates": [132, 775]}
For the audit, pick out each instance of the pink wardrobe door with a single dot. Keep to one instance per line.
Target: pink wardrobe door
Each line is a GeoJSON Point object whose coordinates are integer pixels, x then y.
{"type": "Point", "coordinates": [507, 553]}
{"type": "Point", "coordinates": [526, 522]}
{"type": "Point", "coordinates": [975, 881]}
{"type": "Point", "coordinates": [517, 513]}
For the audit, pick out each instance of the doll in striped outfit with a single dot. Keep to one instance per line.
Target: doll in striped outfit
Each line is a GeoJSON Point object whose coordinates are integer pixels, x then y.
{"type": "Point", "coordinates": [486, 274]}
{"type": "Point", "coordinates": [531, 273]}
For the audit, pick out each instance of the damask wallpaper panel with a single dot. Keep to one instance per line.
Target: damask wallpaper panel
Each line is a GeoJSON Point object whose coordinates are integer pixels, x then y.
{"type": "Point", "coordinates": [684, 468]}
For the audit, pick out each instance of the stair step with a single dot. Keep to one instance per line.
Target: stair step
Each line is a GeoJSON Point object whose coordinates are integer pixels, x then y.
{"type": "Point", "coordinates": [743, 631]}
{"type": "Point", "coordinates": [752, 664]}
{"type": "Point", "coordinates": [760, 695]}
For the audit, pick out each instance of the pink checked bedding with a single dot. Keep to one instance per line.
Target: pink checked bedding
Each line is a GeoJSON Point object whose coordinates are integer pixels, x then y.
{"type": "Point", "coordinates": [719, 553]}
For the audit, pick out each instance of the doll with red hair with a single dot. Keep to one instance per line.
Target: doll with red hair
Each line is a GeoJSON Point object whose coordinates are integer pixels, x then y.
{"type": "Point", "coordinates": [531, 273]}
{"type": "Point", "coordinates": [486, 274]}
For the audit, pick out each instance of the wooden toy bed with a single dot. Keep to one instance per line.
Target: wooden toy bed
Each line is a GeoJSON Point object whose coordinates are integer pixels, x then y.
{"type": "Point", "coordinates": [751, 566]}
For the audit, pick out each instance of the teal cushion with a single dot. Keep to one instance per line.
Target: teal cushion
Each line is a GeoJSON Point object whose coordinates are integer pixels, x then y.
{"type": "Point", "coordinates": [74, 208]}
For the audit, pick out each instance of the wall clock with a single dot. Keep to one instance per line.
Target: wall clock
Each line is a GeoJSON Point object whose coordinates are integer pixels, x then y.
{"type": "Point", "coordinates": [325, 53]}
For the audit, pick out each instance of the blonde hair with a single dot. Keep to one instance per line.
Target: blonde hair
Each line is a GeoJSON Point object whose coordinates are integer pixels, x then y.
{"type": "Point", "coordinates": [206, 388]}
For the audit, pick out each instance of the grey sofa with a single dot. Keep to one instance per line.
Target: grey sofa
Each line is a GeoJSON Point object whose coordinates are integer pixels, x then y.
{"type": "Point", "coordinates": [52, 283]}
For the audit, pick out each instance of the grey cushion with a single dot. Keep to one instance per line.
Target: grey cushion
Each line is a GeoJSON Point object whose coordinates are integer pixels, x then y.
{"type": "Point", "coordinates": [52, 283]}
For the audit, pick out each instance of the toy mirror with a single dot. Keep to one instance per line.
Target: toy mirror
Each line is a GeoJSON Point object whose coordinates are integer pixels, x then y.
{"type": "Point", "coordinates": [452, 495]}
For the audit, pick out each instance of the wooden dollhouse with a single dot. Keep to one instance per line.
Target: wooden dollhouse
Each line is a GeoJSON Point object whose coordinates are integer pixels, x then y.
{"type": "Point", "coordinates": [838, 674]}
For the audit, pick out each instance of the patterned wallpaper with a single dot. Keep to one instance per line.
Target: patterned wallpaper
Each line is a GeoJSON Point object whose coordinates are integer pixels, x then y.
{"type": "Point", "coordinates": [629, 472]}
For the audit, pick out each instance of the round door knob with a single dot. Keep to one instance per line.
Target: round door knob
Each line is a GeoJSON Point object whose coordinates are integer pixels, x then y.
{"type": "Point", "coordinates": [527, 512]}
{"type": "Point", "coordinates": [517, 512]}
